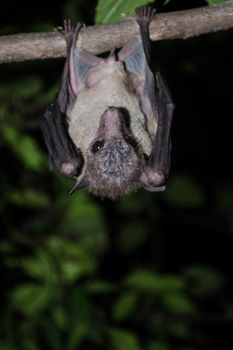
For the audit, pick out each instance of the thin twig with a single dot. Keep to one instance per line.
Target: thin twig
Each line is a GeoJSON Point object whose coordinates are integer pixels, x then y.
{"type": "Point", "coordinates": [97, 39]}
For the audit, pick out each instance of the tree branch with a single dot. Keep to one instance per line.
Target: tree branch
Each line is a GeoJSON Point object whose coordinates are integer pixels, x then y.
{"type": "Point", "coordinates": [97, 39]}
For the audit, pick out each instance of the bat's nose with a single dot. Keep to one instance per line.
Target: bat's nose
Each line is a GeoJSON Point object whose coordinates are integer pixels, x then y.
{"type": "Point", "coordinates": [111, 123]}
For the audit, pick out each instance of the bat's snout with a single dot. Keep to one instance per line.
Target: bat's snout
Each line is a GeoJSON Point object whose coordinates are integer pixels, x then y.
{"type": "Point", "coordinates": [111, 124]}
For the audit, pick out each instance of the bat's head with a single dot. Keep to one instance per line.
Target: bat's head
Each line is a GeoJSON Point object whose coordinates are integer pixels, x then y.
{"type": "Point", "coordinates": [113, 166]}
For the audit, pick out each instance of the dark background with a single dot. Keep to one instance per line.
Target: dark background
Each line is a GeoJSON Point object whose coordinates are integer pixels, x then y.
{"type": "Point", "coordinates": [150, 271]}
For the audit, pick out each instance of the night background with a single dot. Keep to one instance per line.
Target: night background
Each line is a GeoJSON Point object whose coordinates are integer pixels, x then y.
{"type": "Point", "coordinates": [150, 271]}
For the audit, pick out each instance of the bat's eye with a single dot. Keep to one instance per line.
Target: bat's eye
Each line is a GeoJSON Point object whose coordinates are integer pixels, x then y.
{"type": "Point", "coordinates": [97, 146]}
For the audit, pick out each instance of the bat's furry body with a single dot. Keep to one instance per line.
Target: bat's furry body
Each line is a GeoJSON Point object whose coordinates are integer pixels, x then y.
{"type": "Point", "coordinates": [110, 124]}
{"type": "Point", "coordinates": [106, 85]}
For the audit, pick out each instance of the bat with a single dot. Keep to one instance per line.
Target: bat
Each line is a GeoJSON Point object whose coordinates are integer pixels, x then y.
{"type": "Point", "coordinates": [109, 126]}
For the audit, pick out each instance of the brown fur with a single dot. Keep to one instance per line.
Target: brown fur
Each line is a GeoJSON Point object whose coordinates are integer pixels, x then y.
{"type": "Point", "coordinates": [114, 170]}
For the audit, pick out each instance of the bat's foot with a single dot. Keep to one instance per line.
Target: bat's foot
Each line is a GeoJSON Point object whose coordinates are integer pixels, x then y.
{"type": "Point", "coordinates": [145, 14]}
{"type": "Point", "coordinates": [69, 32]}
{"type": "Point", "coordinates": [67, 29]}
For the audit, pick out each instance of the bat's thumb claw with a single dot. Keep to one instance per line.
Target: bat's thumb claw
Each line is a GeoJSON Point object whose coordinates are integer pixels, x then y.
{"type": "Point", "coordinates": [79, 185]}
{"type": "Point", "coordinates": [153, 180]}
{"type": "Point", "coordinates": [69, 168]}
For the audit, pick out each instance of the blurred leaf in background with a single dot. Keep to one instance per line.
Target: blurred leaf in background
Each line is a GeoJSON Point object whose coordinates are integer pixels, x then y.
{"type": "Point", "coordinates": [111, 10]}
{"type": "Point", "coordinates": [213, 2]}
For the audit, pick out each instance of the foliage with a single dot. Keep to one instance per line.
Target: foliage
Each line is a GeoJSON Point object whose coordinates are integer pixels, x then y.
{"type": "Point", "coordinates": [210, 2]}
{"type": "Point", "coordinates": [108, 11]}
{"type": "Point", "coordinates": [111, 10]}
{"type": "Point", "coordinates": [139, 273]}
{"type": "Point", "coordinates": [213, 2]}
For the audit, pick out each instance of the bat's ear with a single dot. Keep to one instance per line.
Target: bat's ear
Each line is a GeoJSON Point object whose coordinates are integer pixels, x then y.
{"type": "Point", "coordinates": [153, 180]}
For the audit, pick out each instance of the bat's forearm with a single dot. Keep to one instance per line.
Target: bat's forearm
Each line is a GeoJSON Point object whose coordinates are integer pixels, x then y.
{"type": "Point", "coordinates": [97, 39]}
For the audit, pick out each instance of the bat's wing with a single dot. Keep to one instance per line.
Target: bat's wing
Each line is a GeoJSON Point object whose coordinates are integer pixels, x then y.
{"type": "Point", "coordinates": [62, 151]}
{"type": "Point", "coordinates": [157, 166]}
{"type": "Point", "coordinates": [155, 101]}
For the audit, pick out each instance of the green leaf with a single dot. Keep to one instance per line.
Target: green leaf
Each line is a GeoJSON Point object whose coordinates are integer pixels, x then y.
{"type": "Point", "coordinates": [29, 198]}
{"type": "Point", "coordinates": [99, 287]}
{"type": "Point", "coordinates": [122, 339]}
{"type": "Point", "coordinates": [30, 153]}
{"type": "Point", "coordinates": [151, 283]}
{"type": "Point", "coordinates": [125, 305]}
{"type": "Point", "coordinates": [72, 258]}
{"type": "Point", "coordinates": [72, 270]}
{"type": "Point", "coordinates": [77, 333]}
{"type": "Point", "coordinates": [79, 306]}
{"type": "Point", "coordinates": [29, 344]}
{"type": "Point", "coordinates": [85, 216]}
{"type": "Point", "coordinates": [21, 88]}
{"type": "Point", "coordinates": [178, 303]}
{"type": "Point", "coordinates": [60, 318]}
{"type": "Point", "coordinates": [25, 147]}
{"type": "Point", "coordinates": [203, 281]}
{"type": "Point", "coordinates": [214, 2]}
{"type": "Point", "coordinates": [40, 266]}
{"type": "Point", "coordinates": [144, 280]}
{"type": "Point", "coordinates": [183, 190]}
{"type": "Point", "coordinates": [84, 213]}
{"type": "Point", "coordinates": [111, 10]}
{"type": "Point", "coordinates": [172, 283]}
{"type": "Point", "coordinates": [30, 298]}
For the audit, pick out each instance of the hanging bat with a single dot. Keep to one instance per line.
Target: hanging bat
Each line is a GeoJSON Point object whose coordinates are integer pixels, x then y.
{"type": "Point", "coordinates": [109, 126]}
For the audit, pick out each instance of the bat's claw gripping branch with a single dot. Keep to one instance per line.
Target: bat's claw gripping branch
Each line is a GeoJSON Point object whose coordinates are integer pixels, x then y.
{"type": "Point", "coordinates": [69, 32]}
{"type": "Point", "coordinates": [67, 28]}
{"type": "Point", "coordinates": [145, 14]}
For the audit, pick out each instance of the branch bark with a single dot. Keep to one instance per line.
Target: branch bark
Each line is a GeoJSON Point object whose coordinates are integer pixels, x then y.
{"type": "Point", "coordinates": [97, 39]}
